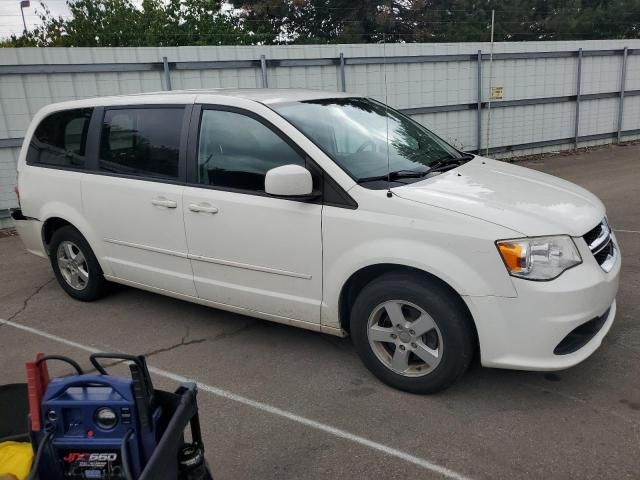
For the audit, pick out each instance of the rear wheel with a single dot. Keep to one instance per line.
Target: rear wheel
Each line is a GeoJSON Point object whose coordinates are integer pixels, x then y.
{"type": "Point", "coordinates": [412, 333]}
{"type": "Point", "coordinates": [75, 266]}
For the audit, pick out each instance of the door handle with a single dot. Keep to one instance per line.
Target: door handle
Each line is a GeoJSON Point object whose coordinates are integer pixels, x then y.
{"type": "Point", "coordinates": [202, 208]}
{"type": "Point", "coordinates": [163, 202]}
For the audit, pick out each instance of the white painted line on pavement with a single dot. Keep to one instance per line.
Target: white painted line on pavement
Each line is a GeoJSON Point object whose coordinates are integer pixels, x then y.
{"type": "Point", "coordinates": [393, 452]}
{"type": "Point", "coordinates": [626, 231]}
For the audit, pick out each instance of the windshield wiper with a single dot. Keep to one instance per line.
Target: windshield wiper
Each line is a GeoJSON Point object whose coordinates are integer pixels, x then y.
{"type": "Point", "coordinates": [440, 165]}
{"type": "Point", "coordinates": [449, 163]}
{"type": "Point", "coordinates": [395, 175]}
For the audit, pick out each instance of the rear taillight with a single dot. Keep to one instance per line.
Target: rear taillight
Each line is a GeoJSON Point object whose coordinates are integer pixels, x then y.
{"type": "Point", "coordinates": [17, 190]}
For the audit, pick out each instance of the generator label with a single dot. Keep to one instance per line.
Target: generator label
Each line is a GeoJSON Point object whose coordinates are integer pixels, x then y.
{"type": "Point", "coordinates": [91, 457]}
{"type": "Point", "coordinates": [87, 465]}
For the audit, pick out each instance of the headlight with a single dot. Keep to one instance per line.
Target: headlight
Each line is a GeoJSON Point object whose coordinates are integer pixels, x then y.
{"type": "Point", "coordinates": [541, 258]}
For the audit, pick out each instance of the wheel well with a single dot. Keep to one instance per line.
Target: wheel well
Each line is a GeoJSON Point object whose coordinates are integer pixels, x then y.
{"type": "Point", "coordinates": [49, 228]}
{"type": "Point", "coordinates": [362, 277]}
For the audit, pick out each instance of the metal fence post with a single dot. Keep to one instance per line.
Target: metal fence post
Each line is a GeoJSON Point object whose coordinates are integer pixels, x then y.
{"type": "Point", "coordinates": [578, 83]}
{"type": "Point", "coordinates": [167, 74]}
{"type": "Point", "coordinates": [625, 52]}
{"type": "Point", "coordinates": [263, 67]}
{"type": "Point", "coordinates": [343, 80]}
{"type": "Point", "coordinates": [479, 111]}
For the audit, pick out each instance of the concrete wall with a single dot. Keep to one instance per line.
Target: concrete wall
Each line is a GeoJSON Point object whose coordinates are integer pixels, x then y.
{"type": "Point", "coordinates": [440, 88]}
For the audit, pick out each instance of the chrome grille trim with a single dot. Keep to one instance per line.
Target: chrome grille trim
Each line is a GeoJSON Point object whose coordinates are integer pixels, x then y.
{"type": "Point", "coordinates": [603, 238]}
{"type": "Point", "coordinates": [608, 264]}
{"type": "Point", "coordinates": [602, 242]}
{"type": "Point", "coordinates": [601, 247]}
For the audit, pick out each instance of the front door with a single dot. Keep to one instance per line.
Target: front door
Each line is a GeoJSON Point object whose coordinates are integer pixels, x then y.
{"type": "Point", "coordinates": [134, 201]}
{"type": "Point", "coordinates": [249, 250]}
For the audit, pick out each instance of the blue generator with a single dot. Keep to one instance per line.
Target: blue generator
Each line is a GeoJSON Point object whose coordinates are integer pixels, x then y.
{"type": "Point", "coordinates": [92, 426]}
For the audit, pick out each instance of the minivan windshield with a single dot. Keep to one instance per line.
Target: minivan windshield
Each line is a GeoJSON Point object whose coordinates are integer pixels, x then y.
{"type": "Point", "coordinates": [354, 132]}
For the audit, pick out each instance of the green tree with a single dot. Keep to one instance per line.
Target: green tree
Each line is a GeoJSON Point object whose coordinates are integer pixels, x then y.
{"type": "Point", "coordinates": [120, 23]}
{"type": "Point", "coordinates": [200, 22]}
{"type": "Point", "coordinates": [331, 21]}
{"type": "Point", "coordinates": [319, 21]}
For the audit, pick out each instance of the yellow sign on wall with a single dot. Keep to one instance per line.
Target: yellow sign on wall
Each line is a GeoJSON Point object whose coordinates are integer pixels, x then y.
{"type": "Point", "coordinates": [496, 93]}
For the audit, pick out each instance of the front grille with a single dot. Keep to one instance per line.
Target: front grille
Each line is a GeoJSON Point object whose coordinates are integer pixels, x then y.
{"type": "Point", "coordinates": [580, 336]}
{"type": "Point", "coordinates": [603, 254]}
{"type": "Point", "coordinates": [601, 245]}
{"type": "Point", "coordinates": [592, 234]}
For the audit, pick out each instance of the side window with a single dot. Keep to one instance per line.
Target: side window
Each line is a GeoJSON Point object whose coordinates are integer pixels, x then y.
{"type": "Point", "coordinates": [61, 139]}
{"type": "Point", "coordinates": [236, 151]}
{"type": "Point", "coordinates": [141, 141]}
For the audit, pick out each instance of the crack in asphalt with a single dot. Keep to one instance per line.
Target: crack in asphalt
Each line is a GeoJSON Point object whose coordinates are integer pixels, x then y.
{"type": "Point", "coordinates": [25, 302]}
{"type": "Point", "coordinates": [224, 334]}
{"type": "Point", "coordinates": [183, 341]}
{"type": "Point", "coordinates": [151, 353]}
{"type": "Point", "coordinates": [173, 347]}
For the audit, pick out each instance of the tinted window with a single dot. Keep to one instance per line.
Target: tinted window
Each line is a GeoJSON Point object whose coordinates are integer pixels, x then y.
{"type": "Point", "coordinates": [141, 141]}
{"type": "Point", "coordinates": [236, 151]}
{"type": "Point", "coordinates": [61, 139]}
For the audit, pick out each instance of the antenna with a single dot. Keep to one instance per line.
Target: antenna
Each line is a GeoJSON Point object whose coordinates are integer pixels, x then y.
{"type": "Point", "coordinates": [386, 110]}
{"type": "Point", "coordinates": [493, 16]}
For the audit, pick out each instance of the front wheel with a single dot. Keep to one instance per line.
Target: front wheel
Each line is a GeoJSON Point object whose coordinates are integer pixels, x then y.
{"type": "Point", "coordinates": [412, 333]}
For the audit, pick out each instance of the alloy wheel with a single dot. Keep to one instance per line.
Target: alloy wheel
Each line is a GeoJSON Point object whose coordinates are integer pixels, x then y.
{"type": "Point", "coordinates": [405, 338]}
{"type": "Point", "coordinates": [73, 265]}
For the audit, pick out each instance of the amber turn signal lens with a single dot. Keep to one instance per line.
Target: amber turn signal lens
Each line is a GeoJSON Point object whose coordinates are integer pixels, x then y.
{"type": "Point", "coordinates": [513, 255]}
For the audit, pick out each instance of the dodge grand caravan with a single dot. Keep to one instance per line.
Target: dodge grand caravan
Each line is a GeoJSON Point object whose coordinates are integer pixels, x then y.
{"type": "Point", "coordinates": [326, 211]}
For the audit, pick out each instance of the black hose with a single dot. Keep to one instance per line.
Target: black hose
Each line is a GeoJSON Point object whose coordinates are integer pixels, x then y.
{"type": "Point", "coordinates": [36, 461]}
{"type": "Point", "coordinates": [124, 448]}
{"type": "Point", "coordinates": [61, 358]}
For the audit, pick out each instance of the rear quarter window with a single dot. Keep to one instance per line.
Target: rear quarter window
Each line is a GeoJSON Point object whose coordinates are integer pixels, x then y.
{"type": "Point", "coordinates": [61, 139]}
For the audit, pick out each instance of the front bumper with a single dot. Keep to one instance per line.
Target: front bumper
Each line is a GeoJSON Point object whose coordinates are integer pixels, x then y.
{"type": "Point", "coordinates": [523, 333]}
{"type": "Point", "coordinates": [30, 232]}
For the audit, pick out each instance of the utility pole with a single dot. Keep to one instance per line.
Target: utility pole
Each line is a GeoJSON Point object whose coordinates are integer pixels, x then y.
{"type": "Point", "coordinates": [24, 4]}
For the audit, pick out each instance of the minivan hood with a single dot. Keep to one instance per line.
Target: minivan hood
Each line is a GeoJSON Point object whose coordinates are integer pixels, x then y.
{"type": "Point", "coordinates": [524, 200]}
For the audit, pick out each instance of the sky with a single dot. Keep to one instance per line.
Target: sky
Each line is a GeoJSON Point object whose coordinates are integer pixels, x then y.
{"type": "Point", "coordinates": [11, 20]}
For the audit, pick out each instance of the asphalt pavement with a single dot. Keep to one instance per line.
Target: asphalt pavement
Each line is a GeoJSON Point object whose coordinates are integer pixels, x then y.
{"type": "Point", "coordinates": [285, 403]}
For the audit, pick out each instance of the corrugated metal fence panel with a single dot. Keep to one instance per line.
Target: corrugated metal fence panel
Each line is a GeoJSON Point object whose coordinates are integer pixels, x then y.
{"type": "Point", "coordinates": [599, 116]}
{"type": "Point", "coordinates": [8, 162]}
{"type": "Point", "coordinates": [459, 128]}
{"type": "Point", "coordinates": [422, 82]}
{"type": "Point", "coordinates": [529, 123]}
{"type": "Point", "coordinates": [532, 78]}
{"type": "Point", "coordinates": [631, 113]}
{"type": "Point", "coordinates": [601, 74]}
{"type": "Point", "coordinates": [323, 77]}
{"type": "Point", "coordinates": [633, 72]}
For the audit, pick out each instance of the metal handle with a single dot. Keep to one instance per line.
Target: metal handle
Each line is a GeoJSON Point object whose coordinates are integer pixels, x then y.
{"type": "Point", "coordinates": [203, 208]}
{"type": "Point", "coordinates": [111, 356]}
{"type": "Point", "coordinates": [163, 202]}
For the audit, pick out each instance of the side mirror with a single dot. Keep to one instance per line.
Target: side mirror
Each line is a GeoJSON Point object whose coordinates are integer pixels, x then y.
{"type": "Point", "coordinates": [291, 182]}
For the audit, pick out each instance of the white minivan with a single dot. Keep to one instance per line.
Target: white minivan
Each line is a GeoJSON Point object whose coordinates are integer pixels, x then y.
{"type": "Point", "coordinates": [326, 211]}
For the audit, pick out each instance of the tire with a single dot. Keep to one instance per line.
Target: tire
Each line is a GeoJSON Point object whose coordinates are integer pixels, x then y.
{"type": "Point", "coordinates": [434, 359]}
{"type": "Point", "coordinates": [75, 265]}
